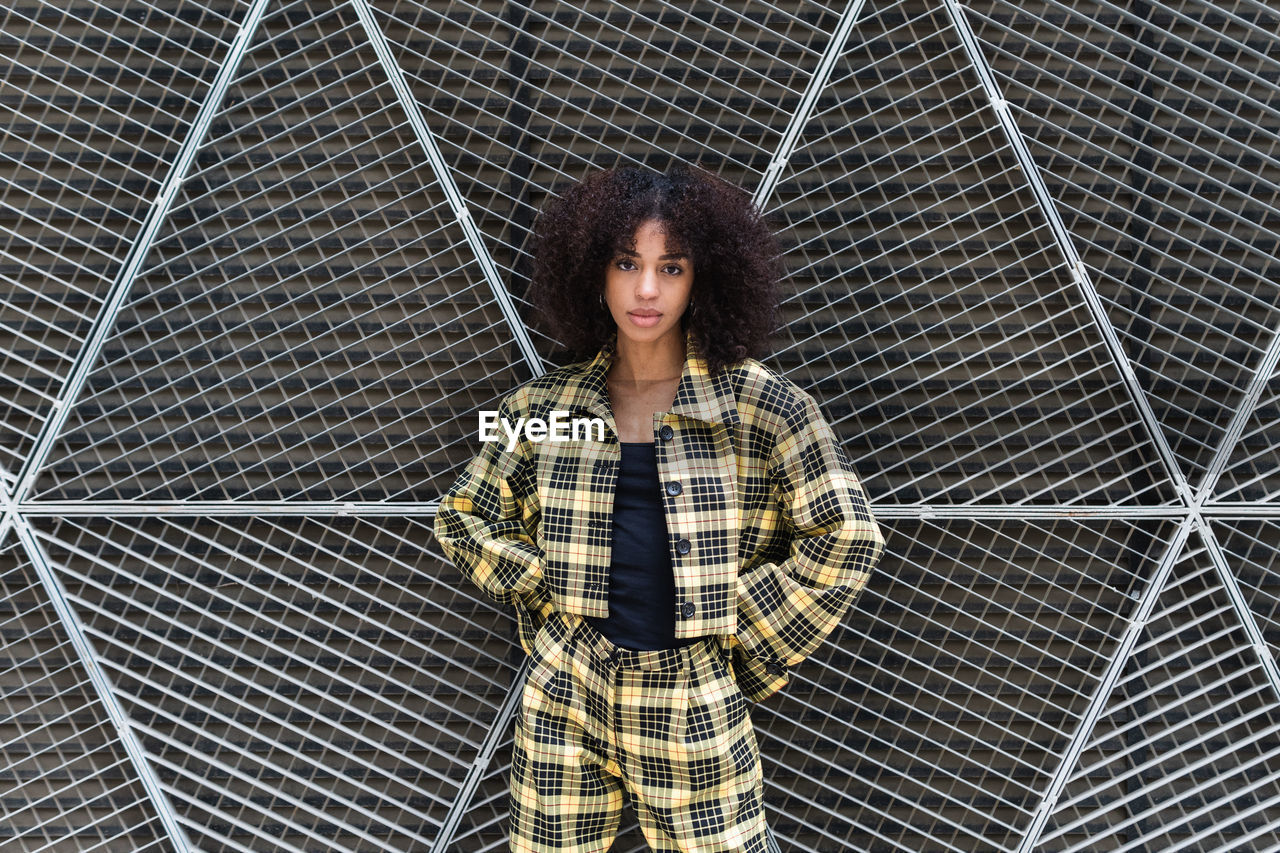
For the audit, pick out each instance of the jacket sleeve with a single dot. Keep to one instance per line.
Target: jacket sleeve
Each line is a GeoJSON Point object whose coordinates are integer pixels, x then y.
{"type": "Point", "coordinates": [786, 609]}
{"type": "Point", "coordinates": [487, 521]}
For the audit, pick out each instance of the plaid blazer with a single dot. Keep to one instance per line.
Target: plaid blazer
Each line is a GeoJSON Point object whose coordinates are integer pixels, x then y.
{"type": "Point", "coordinates": [769, 530]}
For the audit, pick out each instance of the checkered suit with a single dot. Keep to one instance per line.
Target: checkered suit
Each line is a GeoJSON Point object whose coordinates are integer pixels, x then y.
{"type": "Point", "coordinates": [770, 539]}
{"type": "Point", "coordinates": [769, 530]}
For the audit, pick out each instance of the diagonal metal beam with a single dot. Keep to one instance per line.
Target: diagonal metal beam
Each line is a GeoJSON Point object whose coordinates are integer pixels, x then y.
{"type": "Point", "coordinates": [808, 101]}
{"type": "Point", "coordinates": [100, 683]}
{"type": "Point", "coordinates": [484, 757]}
{"type": "Point", "coordinates": [1083, 280]}
{"type": "Point", "coordinates": [378, 40]}
{"type": "Point", "coordinates": [1106, 685]}
{"type": "Point", "coordinates": [506, 713]}
{"type": "Point", "coordinates": [1239, 420]}
{"type": "Point", "coordinates": [8, 511]}
{"type": "Point", "coordinates": [103, 323]}
{"type": "Point", "coordinates": [787, 146]}
{"type": "Point", "coordinates": [1079, 272]}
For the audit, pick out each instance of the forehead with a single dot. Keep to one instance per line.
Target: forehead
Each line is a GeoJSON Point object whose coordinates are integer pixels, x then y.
{"type": "Point", "coordinates": [653, 236]}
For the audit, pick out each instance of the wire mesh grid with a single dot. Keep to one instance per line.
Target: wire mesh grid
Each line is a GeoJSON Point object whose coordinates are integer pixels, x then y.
{"type": "Point", "coordinates": [1183, 756]}
{"type": "Point", "coordinates": [66, 779]}
{"type": "Point", "coordinates": [1250, 545]}
{"type": "Point", "coordinates": [1252, 475]}
{"type": "Point", "coordinates": [94, 101]}
{"type": "Point", "coordinates": [215, 330]}
{"type": "Point", "coordinates": [939, 320]}
{"type": "Point", "coordinates": [1156, 128]}
{"type": "Point", "coordinates": [949, 696]}
{"type": "Point", "coordinates": [310, 309]}
{"type": "Point", "coordinates": [297, 681]}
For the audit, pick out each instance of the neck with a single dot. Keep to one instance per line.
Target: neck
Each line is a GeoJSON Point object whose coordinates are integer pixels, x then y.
{"type": "Point", "coordinates": [661, 359]}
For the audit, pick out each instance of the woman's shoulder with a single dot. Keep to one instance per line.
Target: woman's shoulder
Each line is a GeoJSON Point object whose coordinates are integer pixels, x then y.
{"type": "Point", "coordinates": [766, 395]}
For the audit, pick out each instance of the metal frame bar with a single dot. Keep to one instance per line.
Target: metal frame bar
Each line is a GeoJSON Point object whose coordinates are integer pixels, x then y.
{"type": "Point", "coordinates": [1235, 428]}
{"type": "Point", "coordinates": [102, 686]}
{"type": "Point", "coordinates": [457, 203]}
{"type": "Point", "coordinates": [1106, 685]}
{"type": "Point", "coordinates": [1071, 257]}
{"type": "Point", "coordinates": [475, 773]}
{"type": "Point", "coordinates": [1229, 583]}
{"type": "Point", "coordinates": [86, 359]}
{"type": "Point", "coordinates": [525, 343]}
{"type": "Point", "coordinates": [808, 101]}
{"type": "Point", "coordinates": [61, 509]}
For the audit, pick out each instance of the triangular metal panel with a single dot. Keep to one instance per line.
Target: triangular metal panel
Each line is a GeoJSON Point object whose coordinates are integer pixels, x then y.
{"type": "Point", "coordinates": [938, 710]}
{"type": "Point", "coordinates": [94, 103]}
{"type": "Point", "coordinates": [1155, 127]}
{"type": "Point", "coordinates": [1186, 752]}
{"type": "Point", "coordinates": [299, 682]}
{"type": "Point", "coordinates": [951, 347]}
{"type": "Point", "coordinates": [311, 322]}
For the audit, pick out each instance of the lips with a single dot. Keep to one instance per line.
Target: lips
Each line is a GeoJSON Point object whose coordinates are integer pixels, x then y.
{"type": "Point", "coordinates": [645, 317]}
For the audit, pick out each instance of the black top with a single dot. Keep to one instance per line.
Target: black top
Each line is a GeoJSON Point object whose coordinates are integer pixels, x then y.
{"type": "Point", "coordinates": [642, 588]}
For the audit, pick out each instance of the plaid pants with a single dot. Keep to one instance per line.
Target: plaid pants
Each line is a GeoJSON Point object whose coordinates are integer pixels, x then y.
{"type": "Point", "coordinates": [669, 726]}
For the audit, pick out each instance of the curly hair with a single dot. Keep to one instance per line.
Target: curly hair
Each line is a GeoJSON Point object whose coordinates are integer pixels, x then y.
{"type": "Point", "coordinates": [735, 257]}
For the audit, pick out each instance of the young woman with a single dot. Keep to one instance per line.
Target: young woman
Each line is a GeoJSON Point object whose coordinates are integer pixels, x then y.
{"type": "Point", "coordinates": [666, 574]}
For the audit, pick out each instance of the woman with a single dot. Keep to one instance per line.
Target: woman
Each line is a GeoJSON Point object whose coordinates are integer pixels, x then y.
{"type": "Point", "coordinates": [666, 574]}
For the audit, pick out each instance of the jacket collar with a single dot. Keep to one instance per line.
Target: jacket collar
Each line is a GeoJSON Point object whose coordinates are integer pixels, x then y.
{"type": "Point", "coordinates": [699, 395]}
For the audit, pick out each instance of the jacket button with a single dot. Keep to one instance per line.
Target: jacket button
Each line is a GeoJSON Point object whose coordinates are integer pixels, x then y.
{"type": "Point", "coordinates": [683, 546]}
{"type": "Point", "coordinates": [686, 610]}
{"type": "Point", "coordinates": [666, 432]}
{"type": "Point", "coordinates": [674, 489]}
{"type": "Point", "coordinates": [775, 668]}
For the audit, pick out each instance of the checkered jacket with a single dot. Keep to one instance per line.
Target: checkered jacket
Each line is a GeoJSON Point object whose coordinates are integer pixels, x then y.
{"type": "Point", "coordinates": [769, 530]}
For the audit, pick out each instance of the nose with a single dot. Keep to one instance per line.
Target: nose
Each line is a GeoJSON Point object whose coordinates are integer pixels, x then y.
{"type": "Point", "coordinates": [647, 285]}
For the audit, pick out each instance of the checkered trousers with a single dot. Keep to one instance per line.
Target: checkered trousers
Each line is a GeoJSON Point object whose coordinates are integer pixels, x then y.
{"type": "Point", "coordinates": [669, 726]}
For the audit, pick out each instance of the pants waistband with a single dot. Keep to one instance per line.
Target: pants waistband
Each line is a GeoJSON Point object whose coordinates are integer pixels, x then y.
{"type": "Point", "coordinates": [569, 626]}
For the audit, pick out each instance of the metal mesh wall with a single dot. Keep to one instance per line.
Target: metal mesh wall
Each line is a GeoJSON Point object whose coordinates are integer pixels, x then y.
{"type": "Point", "coordinates": [263, 263]}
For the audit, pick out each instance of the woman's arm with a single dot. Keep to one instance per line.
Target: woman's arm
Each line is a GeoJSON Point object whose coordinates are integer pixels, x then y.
{"type": "Point", "coordinates": [786, 609]}
{"type": "Point", "coordinates": [487, 521]}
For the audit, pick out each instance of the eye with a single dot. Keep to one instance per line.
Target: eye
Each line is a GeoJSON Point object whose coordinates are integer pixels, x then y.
{"type": "Point", "coordinates": [673, 269]}
{"type": "Point", "coordinates": [624, 264]}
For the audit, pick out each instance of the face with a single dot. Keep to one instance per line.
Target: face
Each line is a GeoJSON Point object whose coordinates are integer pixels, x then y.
{"type": "Point", "coordinates": [648, 289]}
